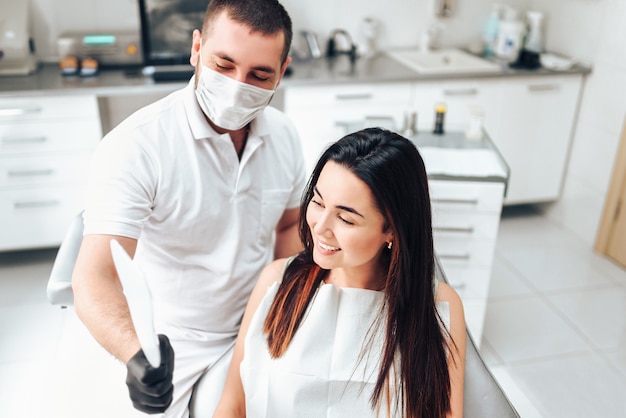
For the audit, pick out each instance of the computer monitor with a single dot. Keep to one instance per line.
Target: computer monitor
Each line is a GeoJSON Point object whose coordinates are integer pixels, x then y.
{"type": "Point", "coordinates": [166, 30]}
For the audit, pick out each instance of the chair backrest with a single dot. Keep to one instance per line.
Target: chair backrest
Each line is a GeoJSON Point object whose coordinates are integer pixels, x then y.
{"type": "Point", "coordinates": [483, 396]}
{"type": "Point", "coordinates": [59, 288]}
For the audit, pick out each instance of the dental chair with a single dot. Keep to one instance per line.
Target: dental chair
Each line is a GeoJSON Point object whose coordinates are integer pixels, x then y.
{"type": "Point", "coordinates": [483, 396]}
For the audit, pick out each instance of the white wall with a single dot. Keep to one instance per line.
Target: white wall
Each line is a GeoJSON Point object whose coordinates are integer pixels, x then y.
{"type": "Point", "coordinates": [593, 31]}
{"type": "Point", "coordinates": [401, 21]}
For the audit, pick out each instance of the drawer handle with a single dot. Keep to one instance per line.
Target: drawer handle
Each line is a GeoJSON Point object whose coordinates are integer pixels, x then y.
{"type": "Point", "coordinates": [30, 173]}
{"type": "Point", "coordinates": [456, 201]}
{"type": "Point", "coordinates": [460, 229]}
{"type": "Point", "coordinates": [24, 140]}
{"type": "Point", "coordinates": [36, 204]}
{"type": "Point", "coordinates": [17, 111]}
{"type": "Point", "coordinates": [461, 92]}
{"type": "Point", "coordinates": [542, 87]}
{"type": "Point", "coordinates": [356, 96]}
{"type": "Point", "coordinates": [465, 256]}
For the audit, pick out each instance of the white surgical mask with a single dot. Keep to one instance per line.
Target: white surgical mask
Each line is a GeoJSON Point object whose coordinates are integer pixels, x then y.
{"type": "Point", "coordinates": [229, 103]}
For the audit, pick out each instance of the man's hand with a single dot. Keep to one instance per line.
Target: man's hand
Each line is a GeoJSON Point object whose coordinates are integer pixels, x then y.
{"type": "Point", "coordinates": [150, 388]}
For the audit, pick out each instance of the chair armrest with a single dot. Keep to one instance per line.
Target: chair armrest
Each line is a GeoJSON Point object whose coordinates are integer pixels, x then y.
{"type": "Point", "coordinates": [59, 288]}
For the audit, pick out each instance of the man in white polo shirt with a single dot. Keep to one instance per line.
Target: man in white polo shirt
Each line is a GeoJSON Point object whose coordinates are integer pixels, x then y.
{"type": "Point", "coordinates": [197, 187]}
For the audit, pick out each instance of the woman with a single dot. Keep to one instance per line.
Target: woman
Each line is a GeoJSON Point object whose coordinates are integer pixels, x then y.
{"type": "Point", "coordinates": [354, 325]}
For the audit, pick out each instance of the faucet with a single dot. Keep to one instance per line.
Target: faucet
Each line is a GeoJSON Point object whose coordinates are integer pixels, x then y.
{"type": "Point", "coordinates": [430, 37]}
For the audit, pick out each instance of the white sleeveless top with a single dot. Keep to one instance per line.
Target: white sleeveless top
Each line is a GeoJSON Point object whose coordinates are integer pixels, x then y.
{"type": "Point", "coordinates": [323, 372]}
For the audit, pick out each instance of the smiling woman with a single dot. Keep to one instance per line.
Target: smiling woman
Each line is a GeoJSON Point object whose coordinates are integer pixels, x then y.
{"type": "Point", "coordinates": [356, 324]}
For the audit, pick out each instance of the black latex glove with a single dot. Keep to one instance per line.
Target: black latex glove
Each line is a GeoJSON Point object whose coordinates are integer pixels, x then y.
{"type": "Point", "coordinates": [150, 388]}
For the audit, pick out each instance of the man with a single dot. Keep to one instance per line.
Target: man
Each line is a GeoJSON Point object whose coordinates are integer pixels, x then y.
{"type": "Point", "coordinates": [195, 187]}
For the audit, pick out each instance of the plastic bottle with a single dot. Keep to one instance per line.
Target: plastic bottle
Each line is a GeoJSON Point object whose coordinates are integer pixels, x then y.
{"type": "Point", "coordinates": [534, 39]}
{"type": "Point", "coordinates": [490, 33]}
{"type": "Point", "coordinates": [510, 38]}
{"type": "Point", "coordinates": [440, 114]}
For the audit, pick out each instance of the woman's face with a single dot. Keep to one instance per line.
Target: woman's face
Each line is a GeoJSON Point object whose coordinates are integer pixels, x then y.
{"type": "Point", "coordinates": [347, 229]}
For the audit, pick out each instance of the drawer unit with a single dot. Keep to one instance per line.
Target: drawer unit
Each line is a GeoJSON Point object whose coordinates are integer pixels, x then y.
{"type": "Point", "coordinates": [46, 145]}
{"type": "Point", "coordinates": [47, 108]}
{"type": "Point", "coordinates": [48, 136]}
{"type": "Point", "coordinates": [476, 225]}
{"type": "Point", "coordinates": [466, 216]}
{"type": "Point", "coordinates": [467, 251]}
{"type": "Point", "coordinates": [45, 170]}
{"type": "Point", "coordinates": [466, 196]}
{"type": "Point", "coordinates": [331, 97]}
{"type": "Point", "coordinates": [35, 217]}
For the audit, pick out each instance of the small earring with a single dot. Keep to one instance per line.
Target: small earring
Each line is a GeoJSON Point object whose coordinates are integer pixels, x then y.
{"type": "Point", "coordinates": [389, 244]}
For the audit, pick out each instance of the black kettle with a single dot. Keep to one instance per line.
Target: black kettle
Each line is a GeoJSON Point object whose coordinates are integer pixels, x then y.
{"type": "Point", "coordinates": [340, 42]}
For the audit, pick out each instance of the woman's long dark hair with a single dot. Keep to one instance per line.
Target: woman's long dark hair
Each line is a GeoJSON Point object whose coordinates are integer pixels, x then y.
{"type": "Point", "coordinates": [392, 168]}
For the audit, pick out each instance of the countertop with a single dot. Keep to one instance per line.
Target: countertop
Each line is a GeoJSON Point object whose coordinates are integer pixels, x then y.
{"type": "Point", "coordinates": [380, 68]}
{"type": "Point", "coordinates": [452, 156]}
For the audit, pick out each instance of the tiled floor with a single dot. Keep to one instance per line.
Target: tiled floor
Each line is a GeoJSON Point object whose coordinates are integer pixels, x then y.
{"type": "Point", "coordinates": [554, 335]}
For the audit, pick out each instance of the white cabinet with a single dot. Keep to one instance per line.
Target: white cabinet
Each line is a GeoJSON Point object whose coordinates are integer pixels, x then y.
{"type": "Point", "coordinates": [466, 216]}
{"type": "Point", "coordinates": [533, 132]}
{"type": "Point", "coordinates": [322, 113]}
{"type": "Point", "coordinates": [460, 97]}
{"type": "Point", "coordinates": [45, 148]}
{"type": "Point", "coordinates": [530, 119]}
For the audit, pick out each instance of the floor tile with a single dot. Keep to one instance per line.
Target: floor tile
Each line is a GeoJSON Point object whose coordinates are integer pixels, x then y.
{"type": "Point", "coordinates": [526, 328]}
{"type": "Point", "coordinates": [572, 386]}
{"type": "Point", "coordinates": [598, 313]}
{"type": "Point", "coordinates": [556, 267]}
{"type": "Point", "coordinates": [29, 332]}
{"type": "Point", "coordinates": [617, 358]}
{"type": "Point", "coordinates": [505, 281]}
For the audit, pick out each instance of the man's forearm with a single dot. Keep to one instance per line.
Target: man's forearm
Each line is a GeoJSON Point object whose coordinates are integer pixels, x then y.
{"type": "Point", "coordinates": [105, 313]}
{"type": "Point", "coordinates": [99, 299]}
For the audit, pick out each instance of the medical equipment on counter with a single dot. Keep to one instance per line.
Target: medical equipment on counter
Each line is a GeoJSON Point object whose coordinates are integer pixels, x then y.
{"type": "Point", "coordinates": [16, 45]}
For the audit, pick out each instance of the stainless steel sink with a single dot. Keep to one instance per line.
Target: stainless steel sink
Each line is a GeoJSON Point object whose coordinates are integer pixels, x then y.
{"type": "Point", "coordinates": [443, 61]}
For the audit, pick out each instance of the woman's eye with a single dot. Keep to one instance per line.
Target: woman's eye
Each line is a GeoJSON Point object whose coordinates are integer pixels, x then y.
{"type": "Point", "coordinates": [315, 202]}
{"type": "Point", "coordinates": [346, 221]}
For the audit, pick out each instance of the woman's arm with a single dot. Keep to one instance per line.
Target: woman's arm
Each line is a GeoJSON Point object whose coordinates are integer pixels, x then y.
{"type": "Point", "coordinates": [233, 401]}
{"type": "Point", "coordinates": [456, 361]}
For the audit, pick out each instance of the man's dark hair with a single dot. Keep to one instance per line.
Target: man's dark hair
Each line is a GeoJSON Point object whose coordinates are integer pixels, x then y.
{"type": "Point", "coordinates": [267, 17]}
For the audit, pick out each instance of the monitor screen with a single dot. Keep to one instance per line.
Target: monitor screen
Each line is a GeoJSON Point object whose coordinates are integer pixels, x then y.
{"type": "Point", "coordinates": [166, 29]}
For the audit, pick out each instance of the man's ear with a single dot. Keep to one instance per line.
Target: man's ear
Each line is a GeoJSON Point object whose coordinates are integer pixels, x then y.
{"type": "Point", "coordinates": [283, 68]}
{"type": "Point", "coordinates": [195, 47]}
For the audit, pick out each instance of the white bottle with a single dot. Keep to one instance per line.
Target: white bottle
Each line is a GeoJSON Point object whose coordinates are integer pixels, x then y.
{"type": "Point", "coordinates": [534, 40]}
{"type": "Point", "coordinates": [510, 37]}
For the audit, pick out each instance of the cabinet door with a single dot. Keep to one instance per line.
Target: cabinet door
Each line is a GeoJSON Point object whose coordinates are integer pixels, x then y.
{"type": "Point", "coordinates": [460, 98]}
{"type": "Point", "coordinates": [323, 114]}
{"type": "Point", "coordinates": [534, 133]}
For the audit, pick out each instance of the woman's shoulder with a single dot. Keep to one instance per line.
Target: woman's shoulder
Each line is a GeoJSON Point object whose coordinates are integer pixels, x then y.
{"type": "Point", "coordinates": [274, 271]}
{"type": "Point", "coordinates": [446, 293]}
